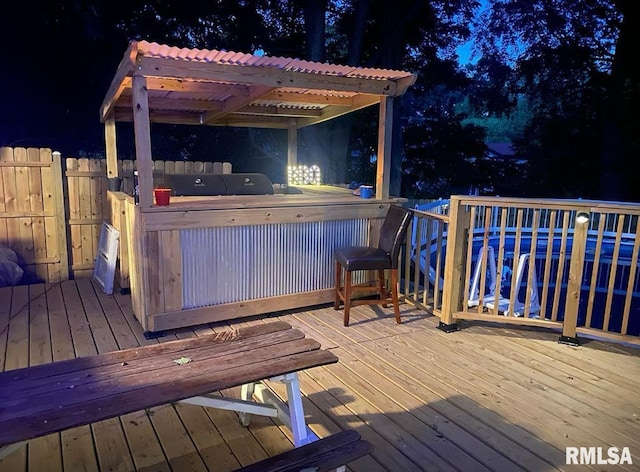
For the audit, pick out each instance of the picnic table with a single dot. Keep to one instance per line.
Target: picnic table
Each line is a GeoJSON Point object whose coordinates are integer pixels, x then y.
{"type": "Point", "coordinates": [48, 398]}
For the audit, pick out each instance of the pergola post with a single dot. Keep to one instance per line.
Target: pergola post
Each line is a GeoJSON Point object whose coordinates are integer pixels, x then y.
{"type": "Point", "coordinates": [111, 148]}
{"type": "Point", "coordinates": [383, 168]}
{"type": "Point", "coordinates": [292, 143]}
{"type": "Point", "coordinates": [144, 161]}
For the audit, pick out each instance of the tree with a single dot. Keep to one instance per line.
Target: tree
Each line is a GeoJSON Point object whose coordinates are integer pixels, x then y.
{"type": "Point", "coordinates": [574, 61]}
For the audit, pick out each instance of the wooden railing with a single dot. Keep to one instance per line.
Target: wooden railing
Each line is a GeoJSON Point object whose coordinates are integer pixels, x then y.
{"type": "Point", "coordinates": [424, 256]}
{"type": "Point", "coordinates": [567, 264]}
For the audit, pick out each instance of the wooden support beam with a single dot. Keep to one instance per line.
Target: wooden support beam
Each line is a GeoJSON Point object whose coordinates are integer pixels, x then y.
{"type": "Point", "coordinates": [111, 148]}
{"type": "Point", "coordinates": [118, 84]}
{"type": "Point", "coordinates": [292, 143]}
{"type": "Point", "coordinates": [142, 127]}
{"type": "Point", "coordinates": [383, 168]}
{"type": "Point", "coordinates": [308, 98]}
{"type": "Point", "coordinates": [272, 77]}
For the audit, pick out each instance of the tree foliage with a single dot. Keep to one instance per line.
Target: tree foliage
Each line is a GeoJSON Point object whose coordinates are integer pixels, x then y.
{"type": "Point", "coordinates": [558, 78]}
{"type": "Point", "coordinates": [571, 61]}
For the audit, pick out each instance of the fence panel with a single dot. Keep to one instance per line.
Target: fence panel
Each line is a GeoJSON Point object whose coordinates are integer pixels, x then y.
{"type": "Point", "coordinates": [32, 212]}
{"type": "Point", "coordinates": [88, 205]}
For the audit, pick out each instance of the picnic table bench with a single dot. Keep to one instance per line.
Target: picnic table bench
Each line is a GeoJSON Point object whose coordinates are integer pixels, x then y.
{"type": "Point", "coordinates": [48, 398]}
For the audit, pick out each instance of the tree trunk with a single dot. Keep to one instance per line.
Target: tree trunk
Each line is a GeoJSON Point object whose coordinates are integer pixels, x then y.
{"type": "Point", "coordinates": [620, 140]}
{"type": "Point", "coordinates": [314, 13]}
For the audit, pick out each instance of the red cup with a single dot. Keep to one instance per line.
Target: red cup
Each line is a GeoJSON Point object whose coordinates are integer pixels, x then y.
{"type": "Point", "coordinates": [162, 196]}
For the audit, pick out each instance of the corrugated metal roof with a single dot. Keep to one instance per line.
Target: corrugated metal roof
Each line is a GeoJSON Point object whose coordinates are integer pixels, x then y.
{"type": "Point", "coordinates": [214, 87]}
{"type": "Point", "coordinates": [284, 63]}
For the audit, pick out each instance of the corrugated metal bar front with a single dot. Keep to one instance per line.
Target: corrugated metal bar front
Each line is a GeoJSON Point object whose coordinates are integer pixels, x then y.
{"type": "Point", "coordinates": [231, 264]}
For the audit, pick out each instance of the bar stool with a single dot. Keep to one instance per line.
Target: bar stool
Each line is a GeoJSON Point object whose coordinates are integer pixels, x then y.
{"type": "Point", "coordinates": [380, 258]}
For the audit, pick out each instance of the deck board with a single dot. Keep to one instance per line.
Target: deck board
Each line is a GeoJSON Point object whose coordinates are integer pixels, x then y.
{"type": "Point", "coordinates": [486, 398]}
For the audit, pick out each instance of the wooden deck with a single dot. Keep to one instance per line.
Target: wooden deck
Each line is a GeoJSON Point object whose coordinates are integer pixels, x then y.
{"type": "Point", "coordinates": [485, 398]}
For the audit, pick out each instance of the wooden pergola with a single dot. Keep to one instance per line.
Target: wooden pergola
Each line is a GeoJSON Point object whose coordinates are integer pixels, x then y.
{"type": "Point", "coordinates": [196, 260]}
{"type": "Point", "coordinates": [161, 84]}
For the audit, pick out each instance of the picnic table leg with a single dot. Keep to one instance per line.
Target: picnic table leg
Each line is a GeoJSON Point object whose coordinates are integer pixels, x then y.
{"type": "Point", "coordinates": [296, 410]}
{"type": "Point", "coordinates": [246, 394]}
{"type": "Point", "coordinates": [6, 450]}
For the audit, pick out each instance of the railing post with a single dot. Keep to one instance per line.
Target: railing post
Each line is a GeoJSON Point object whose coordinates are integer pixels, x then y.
{"type": "Point", "coordinates": [576, 267]}
{"type": "Point", "coordinates": [454, 265]}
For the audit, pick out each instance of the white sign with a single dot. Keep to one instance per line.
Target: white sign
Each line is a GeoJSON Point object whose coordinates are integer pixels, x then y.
{"type": "Point", "coordinates": [598, 455]}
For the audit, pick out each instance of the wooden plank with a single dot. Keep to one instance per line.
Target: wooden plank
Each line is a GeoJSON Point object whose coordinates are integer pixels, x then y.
{"type": "Point", "coordinates": [171, 271]}
{"type": "Point", "coordinates": [145, 447]}
{"type": "Point", "coordinates": [213, 449]}
{"type": "Point", "coordinates": [9, 190]}
{"type": "Point", "coordinates": [138, 430]}
{"type": "Point", "coordinates": [244, 446]}
{"type": "Point", "coordinates": [138, 278]}
{"type": "Point", "coordinates": [111, 147]}
{"type": "Point", "coordinates": [213, 313]}
{"type": "Point", "coordinates": [21, 179]}
{"type": "Point", "coordinates": [174, 438]}
{"type": "Point", "coordinates": [36, 204]}
{"type": "Point", "coordinates": [144, 159]}
{"type": "Point", "coordinates": [5, 319]}
{"type": "Point", "coordinates": [77, 450]}
{"type": "Point", "coordinates": [152, 259]}
{"type": "Point", "coordinates": [216, 212]}
{"type": "Point", "coordinates": [383, 165]}
{"type": "Point", "coordinates": [73, 193]}
{"type": "Point", "coordinates": [62, 272]}
{"type": "Point", "coordinates": [52, 241]}
{"type": "Point", "coordinates": [88, 246]}
{"type": "Point", "coordinates": [24, 236]}
{"type": "Point", "coordinates": [61, 340]}
{"type": "Point", "coordinates": [119, 221]}
{"type": "Point", "coordinates": [78, 442]}
{"type": "Point", "coordinates": [44, 453]}
{"type": "Point", "coordinates": [328, 453]}
{"type": "Point", "coordinates": [17, 355]}
{"type": "Point", "coordinates": [4, 240]}
{"type": "Point", "coordinates": [108, 436]}
{"type": "Point", "coordinates": [96, 318]}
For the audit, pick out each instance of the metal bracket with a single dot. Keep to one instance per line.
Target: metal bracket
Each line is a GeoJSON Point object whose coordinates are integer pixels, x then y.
{"type": "Point", "coordinates": [448, 328]}
{"type": "Point", "coordinates": [569, 341]}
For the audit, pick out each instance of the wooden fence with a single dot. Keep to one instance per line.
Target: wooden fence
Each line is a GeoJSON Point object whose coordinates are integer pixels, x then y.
{"type": "Point", "coordinates": [32, 219]}
{"type": "Point", "coordinates": [51, 211]}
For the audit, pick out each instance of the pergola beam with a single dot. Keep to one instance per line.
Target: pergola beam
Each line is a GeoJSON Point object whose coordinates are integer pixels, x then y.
{"type": "Point", "coordinates": [271, 77]}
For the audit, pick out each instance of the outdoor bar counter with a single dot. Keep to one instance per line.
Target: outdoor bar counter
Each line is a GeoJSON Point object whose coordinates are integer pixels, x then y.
{"type": "Point", "coordinates": [206, 259]}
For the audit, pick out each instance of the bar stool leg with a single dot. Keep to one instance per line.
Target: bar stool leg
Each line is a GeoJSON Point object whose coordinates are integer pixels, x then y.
{"type": "Point", "coordinates": [381, 287]}
{"type": "Point", "coordinates": [347, 297]}
{"type": "Point", "coordinates": [394, 294]}
{"type": "Point", "coordinates": [336, 305]}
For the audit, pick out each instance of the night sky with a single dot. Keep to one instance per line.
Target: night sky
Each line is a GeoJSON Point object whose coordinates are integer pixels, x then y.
{"type": "Point", "coordinates": [54, 76]}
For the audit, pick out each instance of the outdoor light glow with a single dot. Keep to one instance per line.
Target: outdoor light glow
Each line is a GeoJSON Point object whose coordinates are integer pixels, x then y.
{"type": "Point", "coordinates": [582, 218]}
{"type": "Point", "coordinates": [304, 175]}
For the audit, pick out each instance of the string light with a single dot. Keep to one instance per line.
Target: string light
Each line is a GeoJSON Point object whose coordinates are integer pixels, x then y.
{"type": "Point", "coordinates": [304, 175]}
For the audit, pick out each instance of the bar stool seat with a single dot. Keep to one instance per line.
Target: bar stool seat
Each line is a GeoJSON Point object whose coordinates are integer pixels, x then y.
{"type": "Point", "coordinates": [380, 258]}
